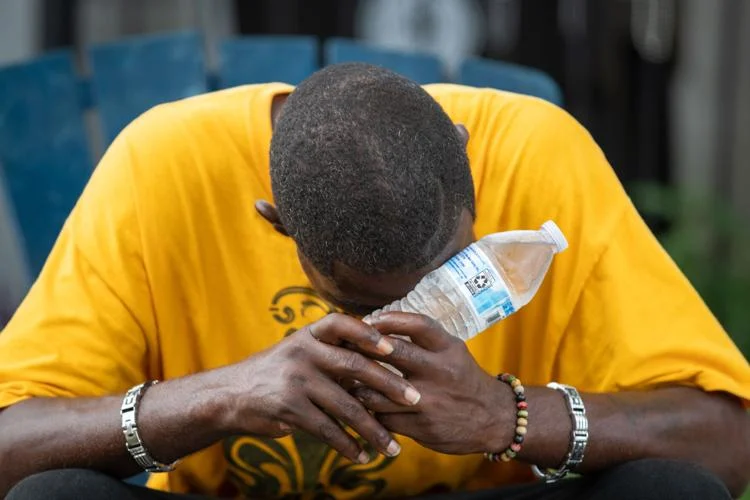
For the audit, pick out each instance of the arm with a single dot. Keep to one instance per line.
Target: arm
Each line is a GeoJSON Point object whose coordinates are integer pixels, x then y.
{"type": "Point", "coordinates": [291, 385]}
{"type": "Point", "coordinates": [681, 423]}
{"type": "Point", "coordinates": [465, 410]}
{"type": "Point", "coordinates": [50, 433]}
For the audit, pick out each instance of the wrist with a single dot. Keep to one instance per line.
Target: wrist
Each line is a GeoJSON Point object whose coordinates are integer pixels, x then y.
{"type": "Point", "coordinates": [212, 404]}
{"type": "Point", "coordinates": [547, 440]}
{"type": "Point", "coordinates": [502, 411]}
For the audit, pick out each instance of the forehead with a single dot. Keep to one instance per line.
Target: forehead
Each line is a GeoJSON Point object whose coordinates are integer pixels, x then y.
{"type": "Point", "coordinates": [349, 287]}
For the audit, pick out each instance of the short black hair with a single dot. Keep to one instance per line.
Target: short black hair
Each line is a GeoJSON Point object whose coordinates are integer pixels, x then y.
{"type": "Point", "coordinates": [367, 169]}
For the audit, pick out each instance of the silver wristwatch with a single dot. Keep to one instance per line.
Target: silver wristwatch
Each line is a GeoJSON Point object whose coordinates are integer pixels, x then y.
{"type": "Point", "coordinates": [129, 414]}
{"type": "Point", "coordinates": [579, 437]}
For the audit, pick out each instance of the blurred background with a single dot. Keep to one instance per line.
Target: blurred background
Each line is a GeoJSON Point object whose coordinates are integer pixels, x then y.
{"type": "Point", "coordinates": [663, 86]}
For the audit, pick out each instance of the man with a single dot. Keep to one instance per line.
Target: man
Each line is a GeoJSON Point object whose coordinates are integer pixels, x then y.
{"type": "Point", "coordinates": [172, 267]}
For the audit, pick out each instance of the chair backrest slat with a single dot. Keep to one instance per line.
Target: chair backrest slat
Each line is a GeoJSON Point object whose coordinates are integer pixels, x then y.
{"type": "Point", "coordinates": [44, 150]}
{"type": "Point", "coordinates": [422, 68]}
{"type": "Point", "coordinates": [43, 147]}
{"type": "Point", "coordinates": [260, 59]}
{"type": "Point", "coordinates": [511, 77]}
{"type": "Point", "coordinates": [130, 76]}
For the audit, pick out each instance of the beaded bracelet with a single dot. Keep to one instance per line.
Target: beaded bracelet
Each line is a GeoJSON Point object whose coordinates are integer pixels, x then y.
{"type": "Point", "coordinates": [522, 420]}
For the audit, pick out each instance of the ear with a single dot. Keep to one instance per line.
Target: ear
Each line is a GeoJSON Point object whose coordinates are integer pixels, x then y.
{"type": "Point", "coordinates": [269, 212]}
{"type": "Point", "coordinates": [463, 134]}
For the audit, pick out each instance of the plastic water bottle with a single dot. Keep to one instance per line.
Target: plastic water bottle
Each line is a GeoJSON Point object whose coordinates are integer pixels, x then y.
{"type": "Point", "coordinates": [486, 282]}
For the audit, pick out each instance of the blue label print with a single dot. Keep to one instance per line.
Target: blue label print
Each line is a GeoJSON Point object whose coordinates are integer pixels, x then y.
{"type": "Point", "coordinates": [481, 285]}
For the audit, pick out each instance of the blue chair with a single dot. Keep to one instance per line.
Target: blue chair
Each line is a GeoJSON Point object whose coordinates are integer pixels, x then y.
{"type": "Point", "coordinates": [43, 143]}
{"type": "Point", "coordinates": [43, 147]}
{"type": "Point", "coordinates": [511, 77]}
{"type": "Point", "coordinates": [259, 59]}
{"type": "Point", "coordinates": [130, 76]}
{"type": "Point", "coordinates": [422, 68]}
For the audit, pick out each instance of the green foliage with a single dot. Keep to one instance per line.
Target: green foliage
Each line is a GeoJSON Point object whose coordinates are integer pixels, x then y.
{"type": "Point", "coordinates": [711, 244]}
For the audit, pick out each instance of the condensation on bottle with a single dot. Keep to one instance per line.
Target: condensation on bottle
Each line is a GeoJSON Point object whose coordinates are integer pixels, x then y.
{"type": "Point", "coordinates": [486, 282]}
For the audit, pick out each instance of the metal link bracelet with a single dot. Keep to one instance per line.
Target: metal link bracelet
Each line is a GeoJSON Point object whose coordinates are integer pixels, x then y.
{"type": "Point", "coordinates": [579, 436]}
{"type": "Point", "coordinates": [133, 443]}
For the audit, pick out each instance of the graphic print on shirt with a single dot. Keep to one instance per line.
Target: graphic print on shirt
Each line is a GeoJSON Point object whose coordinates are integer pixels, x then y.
{"type": "Point", "coordinates": [299, 465]}
{"type": "Point", "coordinates": [297, 306]}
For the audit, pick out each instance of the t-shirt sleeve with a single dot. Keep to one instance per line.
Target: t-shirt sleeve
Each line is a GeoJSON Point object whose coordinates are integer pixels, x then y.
{"type": "Point", "coordinates": [638, 323]}
{"type": "Point", "coordinates": [615, 312]}
{"type": "Point", "coordinates": [83, 329]}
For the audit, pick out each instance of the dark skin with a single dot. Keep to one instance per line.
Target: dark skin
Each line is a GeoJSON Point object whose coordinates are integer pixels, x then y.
{"type": "Point", "coordinates": [465, 410]}
{"type": "Point", "coordinates": [446, 402]}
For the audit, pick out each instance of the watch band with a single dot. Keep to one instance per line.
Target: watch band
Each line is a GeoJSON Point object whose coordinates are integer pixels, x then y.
{"type": "Point", "coordinates": [579, 436]}
{"type": "Point", "coordinates": [133, 443]}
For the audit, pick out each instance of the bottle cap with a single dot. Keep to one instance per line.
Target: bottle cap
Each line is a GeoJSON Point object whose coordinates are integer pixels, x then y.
{"type": "Point", "coordinates": [556, 234]}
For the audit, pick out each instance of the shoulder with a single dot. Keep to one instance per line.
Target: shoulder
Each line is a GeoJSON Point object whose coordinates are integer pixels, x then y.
{"type": "Point", "coordinates": [493, 104]}
{"type": "Point", "coordinates": [237, 106]}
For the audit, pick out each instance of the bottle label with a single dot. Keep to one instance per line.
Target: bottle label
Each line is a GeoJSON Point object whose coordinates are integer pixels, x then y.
{"type": "Point", "coordinates": [481, 285]}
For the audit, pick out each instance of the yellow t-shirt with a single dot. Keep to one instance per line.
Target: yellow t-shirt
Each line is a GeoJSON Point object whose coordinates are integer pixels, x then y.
{"type": "Point", "coordinates": [164, 269]}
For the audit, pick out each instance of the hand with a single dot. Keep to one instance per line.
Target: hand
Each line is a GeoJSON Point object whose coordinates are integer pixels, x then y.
{"type": "Point", "coordinates": [294, 384]}
{"type": "Point", "coordinates": [463, 409]}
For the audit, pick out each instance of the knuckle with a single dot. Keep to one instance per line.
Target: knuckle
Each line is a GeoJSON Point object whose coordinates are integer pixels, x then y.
{"type": "Point", "coordinates": [456, 342]}
{"type": "Point", "coordinates": [366, 395]}
{"type": "Point", "coordinates": [335, 316]}
{"type": "Point", "coordinates": [453, 373]}
{"type": "Point", "coordinates": [352, 363]}
{"type": "Point", "coordinates": [353, 411]}
{"type": "Point", "coordinates": [332, 319]}
{"type": "Point", "coordinates": [399, 348]}
{"type": "Point", "coordinates": [429, 323]}
{"type": "Point", "coordinates": [382, 437]}
{"type": "Point", "coordinates": [335, 436]}
{"type": "Point", "coordinates": [393, 383]}
{"type": "Point", "coordinates": [326, 431]}
{"type": "Point", "coordinates": [285, 410]}
{"type": "Point", "coordinates": [295, 350]}
{"type": "Point", "coordinates": [291, 376]}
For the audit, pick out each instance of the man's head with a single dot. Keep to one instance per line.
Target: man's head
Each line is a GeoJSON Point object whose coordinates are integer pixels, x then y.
{"type": "Point", "coordinates": [371, 180]}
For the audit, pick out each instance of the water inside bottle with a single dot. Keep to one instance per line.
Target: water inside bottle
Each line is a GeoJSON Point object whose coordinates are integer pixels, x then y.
{"type": "Point", "coordinates": [487, 281]}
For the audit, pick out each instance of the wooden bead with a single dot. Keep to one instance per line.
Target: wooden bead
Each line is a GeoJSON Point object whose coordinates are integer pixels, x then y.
{"type": "Point", "coordinates": [519, 390]}
{"type": "Point", "coordinates": [515, 383]}
{"type": "Point", "coordinates": [504, 457]}
{"type": "Point", "coordinates": [522, 413]}
{"type": "Point", "coordinates": [522, 405]}
{"type": "Point", "coordinates": [522, 422]}
{"type": "Point", "coordinates": [521, 430]}
{"type": "Point", "coordinates": [515, 447]}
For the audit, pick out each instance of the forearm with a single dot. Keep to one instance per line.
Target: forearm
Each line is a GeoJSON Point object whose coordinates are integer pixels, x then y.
{"type": "Point", "coordinates": [677, 423]}
{"type": "Point", "coordinates": [175, 418]}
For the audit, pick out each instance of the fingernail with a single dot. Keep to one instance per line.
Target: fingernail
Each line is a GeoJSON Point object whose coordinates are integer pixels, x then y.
{"type": "Point", "coordinates": [412, 395]}
{"type": "Point", "coordinates": [393, 449]}
{"type": "Point", "coordinates": [384, 347]}
{"type": "Point", "coordinates": [363, 457]}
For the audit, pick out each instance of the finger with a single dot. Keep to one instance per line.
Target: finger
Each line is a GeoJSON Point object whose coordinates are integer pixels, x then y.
{"type": "Point", "coordinates": [341, 405]}
{"type": "Point", "coordinates": [376, 402]}
{"type": "Point", "coordinates": [411, 359]}
{"type": "Point", "coordinates": [278, 429]}
{"type": "Point", "coordinates": [316, 423]}
{"type": "Point", "coordinates": [343, 364]}
{"type": "Point", "coordinates": [406, 424]}
{"type": "Point", "coordinates": [349, 384]}
{"type": "Point", "coordinates": [406, 357]}
{"type": "Point", "coordinates": [422, 330]}
{"type": "Point", "coordinates": [338, 329]}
